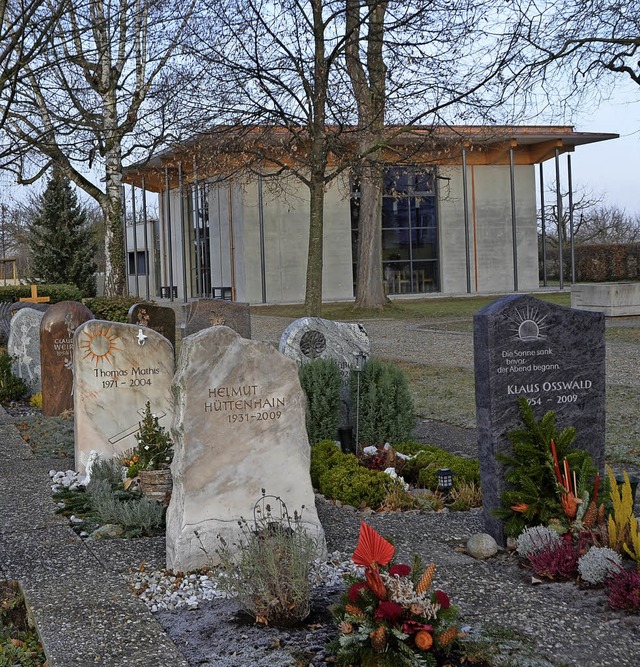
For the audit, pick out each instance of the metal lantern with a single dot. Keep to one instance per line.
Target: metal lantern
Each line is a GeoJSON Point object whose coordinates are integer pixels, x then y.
{"type": "Point", "coordinates": [445, 479]}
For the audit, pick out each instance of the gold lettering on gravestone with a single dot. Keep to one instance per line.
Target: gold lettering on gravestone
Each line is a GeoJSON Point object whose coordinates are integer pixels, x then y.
{"type": "Point", "coordinates": [244, 403]}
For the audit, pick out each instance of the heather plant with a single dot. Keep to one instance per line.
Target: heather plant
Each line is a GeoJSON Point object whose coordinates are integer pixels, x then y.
{"type": "Point", "coordinates": [535, 539]}
{"type": "Point", "coordinates": [624, 535]}
{"type": "Point", "coordinates": [556, 562]}
{"type": "Point", "coordinates": [623, 590]}
{"type": "Point", "coordinates": [321, 381]}
{"type": "Point", "coordinates": [384, 405]}
{"type": "Point", "coordinates": [598, 564]}
{"type": "Point", "coordinates": [267, 570]}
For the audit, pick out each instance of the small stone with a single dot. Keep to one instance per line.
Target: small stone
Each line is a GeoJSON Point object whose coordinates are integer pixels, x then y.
{"type": "Point", "coordinates": [481, 546]}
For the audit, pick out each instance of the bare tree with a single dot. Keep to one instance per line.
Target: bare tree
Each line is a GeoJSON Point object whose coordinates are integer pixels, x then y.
{"type": "Point", "coordinates": [570, 48]}
{"type": "Point", "coordinates": [99, 94]}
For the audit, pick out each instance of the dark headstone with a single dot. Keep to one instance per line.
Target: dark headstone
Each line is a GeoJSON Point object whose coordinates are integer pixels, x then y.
{"type": "Point", "coordinates": [205, 313]}
{"type": "Point", "coordinates": [554, 357]}
{"type": "Point", "coordinates": [56, 354]}
{"type": "Point", "coordinates": [158, 318]}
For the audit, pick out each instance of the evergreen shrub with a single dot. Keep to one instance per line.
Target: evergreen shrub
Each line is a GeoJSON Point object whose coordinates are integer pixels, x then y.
{"type": "Point", "coordinates": [112, 308]}
{"type": "Point", "coordinates": [56, 292]}
{"type": "Point", "coordinates": [324, 455]}
{"type": "Point", "coordinates": [12, 387]}
{"type": "Point", "coordinates": [356, 486]}
{"type": "Point", "coordinates": [386, 409]}
{"type": "Point", "coordinates": [422, 470]}
{"type": "Point", "coordinates": [321, 380]}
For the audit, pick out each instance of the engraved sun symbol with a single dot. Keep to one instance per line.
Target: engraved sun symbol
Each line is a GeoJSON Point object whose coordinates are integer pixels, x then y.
{"type": "Point", "coordinates": [529, 325]}
{"type": "Point", "coordinates": [100, 345]}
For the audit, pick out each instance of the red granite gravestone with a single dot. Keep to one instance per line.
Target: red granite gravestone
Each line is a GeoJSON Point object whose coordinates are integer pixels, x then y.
{"type": "Point", "coordinates": [56, 354]}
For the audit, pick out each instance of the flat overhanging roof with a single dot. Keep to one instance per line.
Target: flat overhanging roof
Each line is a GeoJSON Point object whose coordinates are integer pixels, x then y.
{"type": "Point", "coordinates": [226, 150]}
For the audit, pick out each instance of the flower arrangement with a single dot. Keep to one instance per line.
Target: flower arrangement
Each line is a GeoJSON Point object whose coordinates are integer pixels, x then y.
{"type": "Point", "coordinates": [154, 450]}
{"type": "Point", "coordinates": [391, 617]}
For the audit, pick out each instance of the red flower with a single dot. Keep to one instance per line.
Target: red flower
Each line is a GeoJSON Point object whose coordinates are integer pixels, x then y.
{"type": "Point", "coordinates": [354, 591]}
{"type": "Point", "coordinates": [411, 627]}
{"type": "Point", "coordinates": [389, 611]}
{"type": "Point", "coordinates": [372, 548]}
{"type": "Point", "coordinates": [442, 599]}
{"type": "Point", "coordinates": [400, 570]}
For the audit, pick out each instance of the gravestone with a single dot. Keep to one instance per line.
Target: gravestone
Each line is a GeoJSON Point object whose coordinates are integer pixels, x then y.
{"type": "Point", "coordinates": [24, 345]}
{"type": "Point", "coordinates": [239, 427]}
{"type": "Point", "coordinates": [56, 354]}
{"type": "Point", "coordinates": [158, 318]}
{"type": "Point", "coordinates": [554, 357]}
{"type": "Point", "coordinates": [118, 368]}
{"type": "Point", "coordinates": [347, 344]}
{"type": "Point", "coordinates": [205, 313]}
{"type": "Point", "coordinates": [9, 309]}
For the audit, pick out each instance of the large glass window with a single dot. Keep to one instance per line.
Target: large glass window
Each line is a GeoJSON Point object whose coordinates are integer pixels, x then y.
{"type": "Point", "coordinates": [409, 230]}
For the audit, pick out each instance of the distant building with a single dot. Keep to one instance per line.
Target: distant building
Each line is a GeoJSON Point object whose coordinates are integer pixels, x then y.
{"type": "Point", "coordinates": [233, 224]}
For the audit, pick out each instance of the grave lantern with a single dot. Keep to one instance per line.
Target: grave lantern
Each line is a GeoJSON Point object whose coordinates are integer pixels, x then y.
{"type": "Point", "coordinates": [445, 479]}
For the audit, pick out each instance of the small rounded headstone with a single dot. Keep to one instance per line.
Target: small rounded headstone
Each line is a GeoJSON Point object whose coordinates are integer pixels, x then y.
{"type": "Point", "coordinates": [481, 546]}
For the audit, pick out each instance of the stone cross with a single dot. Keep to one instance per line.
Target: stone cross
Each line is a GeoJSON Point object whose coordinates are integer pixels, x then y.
{"type": "Point", "coordinates": [34, 298]}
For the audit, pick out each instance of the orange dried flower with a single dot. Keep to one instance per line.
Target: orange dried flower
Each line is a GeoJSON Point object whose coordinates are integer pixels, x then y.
{"type": "Point", "coordinates": [448, 636]}
{"type": "Point", "coordinates": [426, 579]}
{"type": "Point", "coordinates": [375, 583]}
{"type": "Point", "coordinates": [372, 548]}
{"type": "Point", "coordinates": [379, 639]}
{"type": "Point", "coordinates": [520, 507]}
{"type": "Point", "coordinates": [424, 640]}
{"type": "Point", "coordinates": [354, 611]}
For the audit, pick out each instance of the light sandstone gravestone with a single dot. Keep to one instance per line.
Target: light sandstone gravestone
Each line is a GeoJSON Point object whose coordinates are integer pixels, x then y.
{"type": "Point", "coordinates": [117, 369]}
{"type": "Point", "coordinates": [24, 345]}
{"type": "Point", "coordinates": [347, 344]}
{"type": "Point", "coordinates": [158, 318]}
{"type": "Point", "coordinates": [205, 313]}
{"type": "Point", "coordinates": [554, 357]}
{"type": "Point", "coordinates": [56, 354]}
{"type": "Point", "coordinates": [239, 427]}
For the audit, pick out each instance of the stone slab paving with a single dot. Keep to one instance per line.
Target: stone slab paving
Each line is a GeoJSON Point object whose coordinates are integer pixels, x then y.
{"type": "Point", "coordinates": [82, 609]}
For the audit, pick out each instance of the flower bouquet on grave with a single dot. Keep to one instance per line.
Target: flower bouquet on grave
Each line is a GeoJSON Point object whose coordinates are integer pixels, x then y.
{"type": "Point", "coordinates": [391, 617]}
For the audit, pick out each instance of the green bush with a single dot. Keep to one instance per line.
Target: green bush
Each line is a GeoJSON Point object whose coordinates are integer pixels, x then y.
{"type": "Point", "coordinates": [55, 292]}
{"type": "Point", "coordinates": [321, 380]}
{"type": "Point", "coordinates": [12, 387]}
{"type": "Point", "coordinates": [322, 458]}
{"type": "Point", "coordinates": [354, 485]}
{"type": "Point", "coordinates": [112, 308]}
{"type": "Point", "coordinates": [422, 470]}
{"type": "Point", "coordinates": [386, 410]}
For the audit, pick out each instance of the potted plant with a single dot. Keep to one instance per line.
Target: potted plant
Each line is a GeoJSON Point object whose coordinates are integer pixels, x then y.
{"type": "Point", "coordinates": [150, 461]}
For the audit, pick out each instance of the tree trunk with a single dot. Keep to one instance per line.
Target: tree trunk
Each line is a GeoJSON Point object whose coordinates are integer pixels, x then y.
{"type": "Point", "coordinates": [369, 284]}
{"type": "Point", "coordinates": [313, 293]}
{"type": "Point", "coordinates": [115, 279]}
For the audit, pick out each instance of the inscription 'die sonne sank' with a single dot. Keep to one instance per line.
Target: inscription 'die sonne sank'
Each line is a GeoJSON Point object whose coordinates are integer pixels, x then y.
{"type": "Point", "coordinates": [539, 392]}
{"type": "Point", "coordinates": [244, 404]}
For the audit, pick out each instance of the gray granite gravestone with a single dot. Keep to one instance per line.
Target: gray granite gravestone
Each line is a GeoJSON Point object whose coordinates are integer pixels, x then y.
{"type": "Point", "coordinates": [8, 309]}
{"type": "Point", "coordinates": [117, 368]}
{"type": "Point", "coordinates": [158, 318]}
{"type": "Point", "coordinates": [554, 357]}
{"type": "Point", "coordinates": [347, 344]}
{"type": "Point", "coordinates": [56, 354]}
{"type": "Point", "coordinates": [239, 427]}
{"type": "Point", "coordinates": [205, 313]}
{"type": "Point", "coordinates": [24, 346]}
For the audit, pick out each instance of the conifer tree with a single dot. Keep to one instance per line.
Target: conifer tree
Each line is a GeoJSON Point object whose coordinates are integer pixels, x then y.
{"type": "Point", "coordinates": [60, 240]}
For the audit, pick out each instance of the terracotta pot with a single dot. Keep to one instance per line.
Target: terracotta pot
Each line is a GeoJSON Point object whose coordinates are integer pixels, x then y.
{"type": "Point", "coordinates": [156, 484]}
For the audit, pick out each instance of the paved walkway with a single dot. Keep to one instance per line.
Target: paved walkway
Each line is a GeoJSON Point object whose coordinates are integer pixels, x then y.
{"type": "Point", "coordinates": [81, 606]}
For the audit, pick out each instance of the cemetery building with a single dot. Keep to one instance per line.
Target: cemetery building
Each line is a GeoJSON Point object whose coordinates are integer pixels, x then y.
{"type": "Point", "coordinates": [459, 214]}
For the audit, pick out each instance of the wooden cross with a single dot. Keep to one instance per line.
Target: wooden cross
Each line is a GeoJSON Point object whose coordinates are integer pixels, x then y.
{"type": "Point", "coordinates": [34, 298]}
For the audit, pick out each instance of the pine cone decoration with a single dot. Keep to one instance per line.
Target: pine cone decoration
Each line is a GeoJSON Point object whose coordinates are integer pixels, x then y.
{"type": "Point", "coordinates": [448, 636]}
{"type": "Point", "coordinates": [426, 579]}
{"type": "Point", "coordinates": [601, 515]}
{"type": "Point", "coordinates": [379, 639]}
{"type": "Point", "coordinates": [590, 516]}
{"type": "Point", "coordinates": [345, 627]}
{"type": "Point", "coordinates": [352, 610]}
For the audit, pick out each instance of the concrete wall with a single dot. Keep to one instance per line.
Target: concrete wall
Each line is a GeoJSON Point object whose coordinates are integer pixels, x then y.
{"type": "Point", "coordinates": [490, 230]}
{"type": "Point", "coordinates": [286, 238]}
